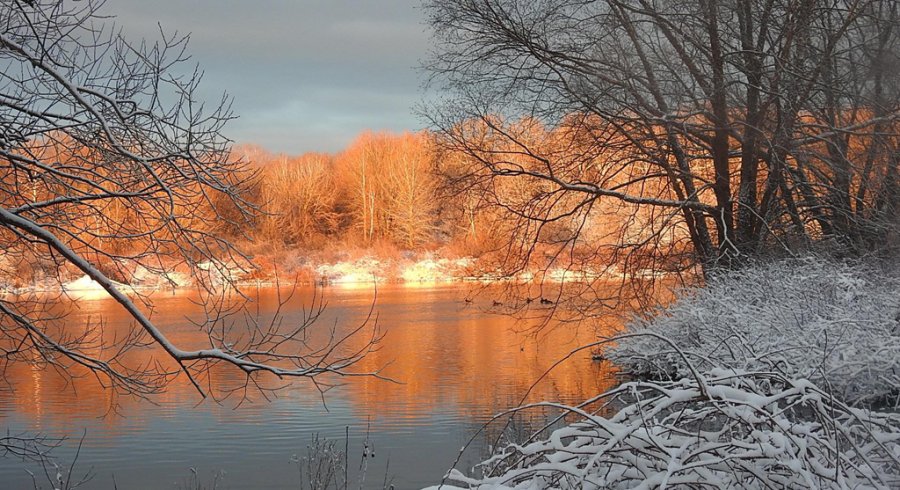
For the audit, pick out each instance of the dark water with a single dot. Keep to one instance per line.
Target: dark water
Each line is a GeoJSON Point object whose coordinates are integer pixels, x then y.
{"type": "Point", "coordinates": [456, 365]}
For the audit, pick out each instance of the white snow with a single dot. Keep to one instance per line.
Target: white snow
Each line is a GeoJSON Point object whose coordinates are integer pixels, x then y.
{"type": "Point", "coordinates": [362, 271]}
{"type": "Point", "coordinates": [835, 324]}
{"type": "Point", "coordinates": [85, 288]}
{"type": "Point", "coordinates": [144, 278]}
{"type": "Point", "coordinates": [747, 431]}
{"type": "Point", "coordinates": [366, 270]}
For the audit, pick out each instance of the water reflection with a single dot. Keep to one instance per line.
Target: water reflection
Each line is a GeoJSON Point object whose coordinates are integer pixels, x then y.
{"type": "Point", "coordinates": [455, 367]}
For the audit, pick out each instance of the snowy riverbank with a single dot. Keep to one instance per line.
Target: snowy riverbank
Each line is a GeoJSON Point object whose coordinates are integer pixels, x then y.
{"type": "Point", "coordinates": [410, 269]}
{"type": "Point", "coordinates": [767, 377]}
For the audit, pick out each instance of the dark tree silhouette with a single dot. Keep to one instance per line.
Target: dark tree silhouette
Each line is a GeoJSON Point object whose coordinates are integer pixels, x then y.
{"type": "Point", "coordinates": [741, 126]}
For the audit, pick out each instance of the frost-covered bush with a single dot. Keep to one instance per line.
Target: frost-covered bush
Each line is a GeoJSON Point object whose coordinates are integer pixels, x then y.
{"type": "Point", "coordinates": [720, 429]}
{"type": "Point", "coordinates": [836, 324]}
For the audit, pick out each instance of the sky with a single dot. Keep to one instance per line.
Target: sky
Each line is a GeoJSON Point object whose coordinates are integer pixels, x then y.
{"type": "Point", "coordinates": [305, 75]}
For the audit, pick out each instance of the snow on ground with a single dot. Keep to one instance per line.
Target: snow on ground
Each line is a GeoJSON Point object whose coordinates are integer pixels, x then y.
{"type": "Point", "coordinates": [836, 324]}
{"type": "Point", "coordinates": [144, 278]}
{"type": "Point", "coordinates": [217, 273]}
{"type": "Point", "coordinates": [433, 270]}
{"type": "Point", "coordinates": [562, 275]}
{"type": "Point", "coordinates": [85, 288]}
{"type": "Point", "coordinates": [361, 271]}
{"type": "Point", "coordinates": [410, 268]}
{"type": "Point", "coordinates": [365, 270]}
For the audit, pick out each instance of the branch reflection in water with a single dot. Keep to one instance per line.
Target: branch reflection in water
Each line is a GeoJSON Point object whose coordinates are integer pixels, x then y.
{"type": "Point", "coordinates": [456, 366]}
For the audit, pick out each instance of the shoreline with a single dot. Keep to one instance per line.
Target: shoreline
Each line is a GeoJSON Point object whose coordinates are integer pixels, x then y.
{"type": "Point", "coordinates": [368, 269]}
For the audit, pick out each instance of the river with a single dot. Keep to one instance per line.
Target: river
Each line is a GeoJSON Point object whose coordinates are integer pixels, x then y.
{"type": "Point", "coordinates": [455, 365]}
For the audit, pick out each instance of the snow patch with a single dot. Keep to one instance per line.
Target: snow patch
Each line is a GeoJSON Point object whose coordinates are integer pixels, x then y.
{"type": "Point", "coordinates": [362, 271]}
{"type": "Point", "coordinates": [144, 278]}
{"type": "Point", "coordinates": [85, 288]}
{"type": "Point", "coordinates": [430, 270]}
{"type": "Point", "coordinates": [367, 270]}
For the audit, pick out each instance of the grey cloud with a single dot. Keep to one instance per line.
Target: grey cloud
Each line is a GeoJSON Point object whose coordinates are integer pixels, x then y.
{"type": "Point", "coordinates": [305, 76]}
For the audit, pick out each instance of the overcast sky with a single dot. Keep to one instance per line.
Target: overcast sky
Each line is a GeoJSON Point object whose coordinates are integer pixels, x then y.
{"type": "Point", "coordinates": [306, 75]}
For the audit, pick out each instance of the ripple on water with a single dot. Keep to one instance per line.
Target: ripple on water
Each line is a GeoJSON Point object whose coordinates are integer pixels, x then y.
{"type": "Point", "coordinates": [458, 367]}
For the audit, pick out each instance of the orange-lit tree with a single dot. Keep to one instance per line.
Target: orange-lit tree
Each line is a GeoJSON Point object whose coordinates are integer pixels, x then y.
{"type": "Point", "coordinates": [388, 187]}
{"type": "Point", "coordinates": [361, 167]}
{"type": "Point", "coordinates": [107, 161]}
{"type": "Point", "coordinates": [409, 187]}
{"type": "Point", "coordinates": [298, 198]}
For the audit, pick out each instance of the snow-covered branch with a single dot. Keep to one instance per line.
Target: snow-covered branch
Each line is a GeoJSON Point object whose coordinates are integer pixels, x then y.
{"type": "Point", "coordinates": [752, 430]}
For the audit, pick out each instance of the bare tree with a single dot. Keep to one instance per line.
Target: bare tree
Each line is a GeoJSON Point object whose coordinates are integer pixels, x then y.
{"type": "Point", "coordinates": [298, 195]}
{"type": "Point", "coordinates": [361, 168]}
{"type": "Point", "coordinates": [733, 127]}
{"type": "Point", "coordinates": [389, 188]}
{"type": "Point", "coordinates": [108, 161]}
{"type": "Point", "coordinates": [409, 187]}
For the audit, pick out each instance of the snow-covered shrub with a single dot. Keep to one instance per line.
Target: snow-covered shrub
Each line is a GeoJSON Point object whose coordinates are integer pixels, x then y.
{"type": "Point", "coordinates": [835, 324]}
{"type": "Point", "coordinates": [721, 429]}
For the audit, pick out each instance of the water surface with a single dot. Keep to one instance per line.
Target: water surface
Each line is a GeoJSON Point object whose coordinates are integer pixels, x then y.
{"type": "Point", "coordinates": [455, 365]}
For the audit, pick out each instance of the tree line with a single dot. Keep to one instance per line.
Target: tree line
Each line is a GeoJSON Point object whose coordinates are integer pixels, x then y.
{"type": "Point", "coordinates": [517, 193]}
{"type": "Point", "coordinates": [417, 192]}
{"type": "Point", "coordinates": [380, 188]}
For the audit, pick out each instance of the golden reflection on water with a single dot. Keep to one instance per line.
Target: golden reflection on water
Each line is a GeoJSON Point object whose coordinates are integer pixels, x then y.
{"type": "Point", "coordinates": [447, 356]}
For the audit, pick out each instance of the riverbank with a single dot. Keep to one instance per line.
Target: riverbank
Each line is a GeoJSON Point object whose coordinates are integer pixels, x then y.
{"type": "Point", "coordinates": [343, 268]}
{"type": "Point", "coordinates": [782, 375]}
